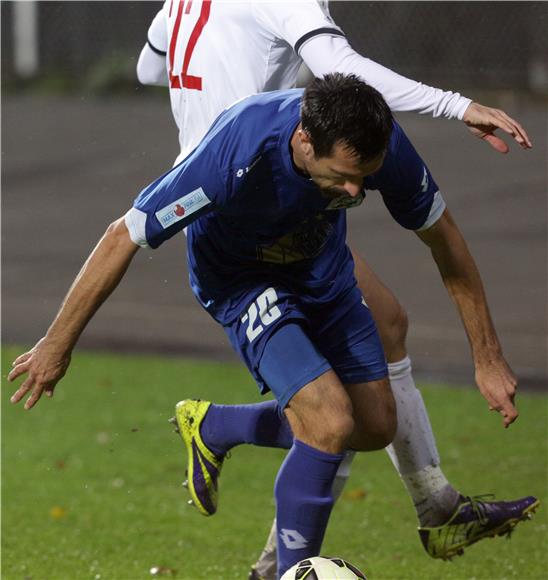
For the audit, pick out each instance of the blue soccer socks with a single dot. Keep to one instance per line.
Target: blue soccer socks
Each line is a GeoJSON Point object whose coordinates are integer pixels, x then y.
{"type": "Point", "coordinates": [304, 500]}
{"type": "Point", "coordinates": [226, 426]}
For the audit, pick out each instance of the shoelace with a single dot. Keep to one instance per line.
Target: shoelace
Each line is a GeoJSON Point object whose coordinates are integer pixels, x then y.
{"type": "Point", "coordinates": [477, 502]}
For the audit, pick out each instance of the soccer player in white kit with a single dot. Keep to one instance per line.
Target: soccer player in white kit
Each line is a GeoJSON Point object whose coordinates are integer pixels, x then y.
{"type": "Point", "coordinates": [212, 53]}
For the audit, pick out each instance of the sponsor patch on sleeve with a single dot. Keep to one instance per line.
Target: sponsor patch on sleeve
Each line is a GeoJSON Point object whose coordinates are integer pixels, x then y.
{"type": "Point", "coordinates": [182, 207]}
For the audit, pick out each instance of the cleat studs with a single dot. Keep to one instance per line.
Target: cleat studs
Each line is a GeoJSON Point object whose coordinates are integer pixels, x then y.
{"type": "Point", "coordinates": [185, 483]}
{"type": "Point", "coordinates": [190, 502]}
{"type": "Point", "coordinates": [173, 421]}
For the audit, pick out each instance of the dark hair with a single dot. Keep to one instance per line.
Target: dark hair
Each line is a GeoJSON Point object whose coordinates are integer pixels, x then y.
{"type": "Point", "coordinates": [342, 108]}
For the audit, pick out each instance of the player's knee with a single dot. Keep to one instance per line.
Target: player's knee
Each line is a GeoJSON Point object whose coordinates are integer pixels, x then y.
{"type": "Point", "coordinates": [340, 430]}
{"type": "Point", "coordinates": [321, 414]}
{"type": "Point", "coordinates": [328, 431]}
{"type": "Point", "coordinates": [333, 433]}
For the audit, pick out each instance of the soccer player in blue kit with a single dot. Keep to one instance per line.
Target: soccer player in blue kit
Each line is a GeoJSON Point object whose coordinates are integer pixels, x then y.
{"type": "Point", "coordinates": [263, 200]}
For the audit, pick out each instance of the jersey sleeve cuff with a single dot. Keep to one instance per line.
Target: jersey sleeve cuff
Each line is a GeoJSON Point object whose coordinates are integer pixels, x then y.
{"type": "Point", "coordinates": [136, 222]}
{"type": "Point", "coordinates": [462, 105]}
{"type": "Point", "coordinates": [438, 207]}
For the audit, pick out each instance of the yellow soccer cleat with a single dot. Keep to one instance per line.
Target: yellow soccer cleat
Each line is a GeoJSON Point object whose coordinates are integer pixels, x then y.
{"type": "Point", "coordinates": [204, 467]}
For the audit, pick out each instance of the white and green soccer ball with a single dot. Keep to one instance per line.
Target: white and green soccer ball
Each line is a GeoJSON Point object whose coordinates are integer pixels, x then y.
{"type": "Point", "coordinates": [319, 568]}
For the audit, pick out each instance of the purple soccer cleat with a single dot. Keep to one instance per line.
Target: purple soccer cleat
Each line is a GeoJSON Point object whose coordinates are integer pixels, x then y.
{"type": "Point", "coordinates": [473, 520]}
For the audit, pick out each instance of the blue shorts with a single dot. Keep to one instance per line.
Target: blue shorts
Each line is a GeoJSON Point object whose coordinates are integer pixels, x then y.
{"type": "Point", "coordinates": [286, 343]}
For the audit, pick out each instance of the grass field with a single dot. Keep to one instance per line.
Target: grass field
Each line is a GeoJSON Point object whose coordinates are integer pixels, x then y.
{"type": "Point", "coordinates": [91, 483]}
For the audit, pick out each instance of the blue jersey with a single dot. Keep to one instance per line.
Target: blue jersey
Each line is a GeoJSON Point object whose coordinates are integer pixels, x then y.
{"type": "Point", "coordinates": [253, 219]}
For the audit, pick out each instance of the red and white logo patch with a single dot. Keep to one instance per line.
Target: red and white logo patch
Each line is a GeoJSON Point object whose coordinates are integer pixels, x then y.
{"type": "Point", "coordinates": [182, 207]}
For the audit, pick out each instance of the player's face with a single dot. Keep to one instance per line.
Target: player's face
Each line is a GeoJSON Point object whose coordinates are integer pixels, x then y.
{"type": "Point", "coordinates": [342, 173]}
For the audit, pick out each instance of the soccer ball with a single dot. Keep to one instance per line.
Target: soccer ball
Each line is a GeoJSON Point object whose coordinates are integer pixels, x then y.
{"type": "Point", "coordinates": [319, 568]}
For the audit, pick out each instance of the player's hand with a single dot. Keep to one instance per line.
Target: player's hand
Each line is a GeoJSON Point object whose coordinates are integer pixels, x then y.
{"type": "Point", "coordinates": [44, 366]}
{"type": "Point", "coordinates": [484, 121]}
{"type": "Point", "coordinates": [497, 383]}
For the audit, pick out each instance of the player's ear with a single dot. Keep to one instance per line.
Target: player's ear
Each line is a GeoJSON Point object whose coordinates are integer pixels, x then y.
{"type": "Point", "coordinates": [306, 144]}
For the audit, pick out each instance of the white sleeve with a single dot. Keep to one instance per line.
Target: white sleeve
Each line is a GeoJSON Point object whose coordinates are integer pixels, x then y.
{"type": "Point", "coordinates": [325, 54]}
{"type": "Point", "coordinates": [294, 21]}
{"type": "Point", "coordinates": [151, 68]}
{"type": "Point", "coordinates": [437, 208]}
{"type": "Point", "coordinates": [135, 221]}
{"type": "Point", "coordinates": [152, 64]}
{"type": "Point", "coordinates": [157, 32]}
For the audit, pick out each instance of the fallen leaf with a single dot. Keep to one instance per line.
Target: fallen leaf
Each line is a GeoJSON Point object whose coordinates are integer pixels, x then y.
{"type": "Point", "coordinates": [355, 494]}
{"type": "Point", "coordinates": [57, 512]}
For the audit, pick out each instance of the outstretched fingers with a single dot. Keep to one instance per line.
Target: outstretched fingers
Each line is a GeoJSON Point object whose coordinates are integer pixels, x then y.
{"type": "Point", "coordinates": [19, 368]}
{"type": "Point", "coordinates": [22, 358]}
{"type": "Point", "coordinates": [24, 388]}
{"type": "Point", "coordinates": [30, 384]}
{"type": "Point", "coordinates": [512, 127]}
{"type": "Point", "coordinates": [37, 381]}
{"type": "Point", "coordinates": [484, 121]}
{"type": "Point", "coordinates": [34, 397]}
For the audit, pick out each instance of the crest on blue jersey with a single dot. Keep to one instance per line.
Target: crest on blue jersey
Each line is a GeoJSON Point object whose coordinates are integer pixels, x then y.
{"type": "Point", "coordinates": [304, 243]}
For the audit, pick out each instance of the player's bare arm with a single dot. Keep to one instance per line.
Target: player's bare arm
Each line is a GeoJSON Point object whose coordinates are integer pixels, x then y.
{"type": "Point", "coordinates": [47, 362]}
{"type": "Point", "coordinates": [496, 381]}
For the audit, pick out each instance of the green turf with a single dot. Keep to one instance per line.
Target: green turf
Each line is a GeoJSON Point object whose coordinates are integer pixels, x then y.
{"type": "Point", "coordinates": [91, 482]}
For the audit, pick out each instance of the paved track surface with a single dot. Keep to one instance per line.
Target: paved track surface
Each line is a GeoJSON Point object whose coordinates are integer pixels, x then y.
{"type": "Point", "coordinates": [71, 165]}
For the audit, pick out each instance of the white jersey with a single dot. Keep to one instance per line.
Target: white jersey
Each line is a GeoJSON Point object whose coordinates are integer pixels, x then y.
{"type": "Point", "coordinates": [219, 51]}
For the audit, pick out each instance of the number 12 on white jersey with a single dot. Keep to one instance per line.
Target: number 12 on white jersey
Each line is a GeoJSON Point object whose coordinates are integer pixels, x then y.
{"type": "Point", "coordinates": [186, 21]}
